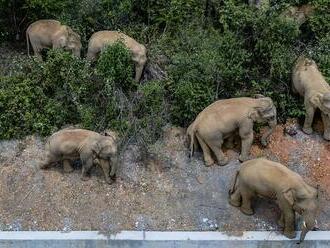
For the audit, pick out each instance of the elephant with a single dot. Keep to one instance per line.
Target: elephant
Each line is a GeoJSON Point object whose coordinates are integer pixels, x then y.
{"type": "Point", "coordinates": [101, 39]}
{"type": "Point", "coordinates": [308, 82]}
{"type": "Point", "coordinates": [265, 178]}
{"type": "Point", "coordinates": [52, 34]}
{"type": "Point", "coordinates": [298, 13]}
{"type": "Point", "coordinates": [224, 118]}
{"type": "Point", "coordinates": [88, 146]}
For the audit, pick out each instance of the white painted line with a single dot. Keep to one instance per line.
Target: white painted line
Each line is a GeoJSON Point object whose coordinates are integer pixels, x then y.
{"type": "Point", "coordinates": [158, 236]}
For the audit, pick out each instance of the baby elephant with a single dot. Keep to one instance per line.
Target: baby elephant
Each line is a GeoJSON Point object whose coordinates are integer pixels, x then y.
{"type": "Point", "coordinates": [88, 146]}
{"type": "Point", "coordinates": [223, 118]}
{"type": "Point", "coordinates": [261, 177]}
{"type": "Point", "coordinates": [308, 81]}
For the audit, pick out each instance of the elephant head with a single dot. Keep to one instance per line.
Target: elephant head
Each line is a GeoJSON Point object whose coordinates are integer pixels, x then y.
{"type": "Point", "coordinates": [322, 101]}
{"type": "Point", "coordinates": [140, 59]}
{"type": "Point", "coordinates": [264, 111]}
{"type": "Point", "coordinates": [105, 151]}
{"type": "Point", "coordinates": [305, 202]}
{"type": "Point", "coordinates": [69, 40]}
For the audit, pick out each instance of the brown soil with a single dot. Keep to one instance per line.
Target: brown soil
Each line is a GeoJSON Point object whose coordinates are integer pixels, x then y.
{"type": "Point", "coordinates": [169, 191]}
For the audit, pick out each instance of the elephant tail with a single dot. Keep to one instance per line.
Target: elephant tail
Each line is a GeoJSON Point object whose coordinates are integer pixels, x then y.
{"type": "Point", "coordinates": [191, 139]}
{"type": "Point", "coordinates": [27, 41]}
{"type": "Point", "coordinates": [232, 189]}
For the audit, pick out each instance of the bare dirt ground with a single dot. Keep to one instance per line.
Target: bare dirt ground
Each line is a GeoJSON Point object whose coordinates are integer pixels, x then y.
{"type": "Point", "coordinates": [167, 192]}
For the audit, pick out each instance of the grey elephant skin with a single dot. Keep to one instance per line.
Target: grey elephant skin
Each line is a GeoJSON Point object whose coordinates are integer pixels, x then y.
{"type": "Point", "coordinates": [265, 178]}
{"type": "Point", "coordinates": [223, 118]}
{"type": "Point", "coordinates": [101, 39]}
{"type": "Point", "coordinates": [88, 146]}
{"type": "Point", "coordinates": [52, 34]}
{"type": "Point", "coordinates": [308, 82]}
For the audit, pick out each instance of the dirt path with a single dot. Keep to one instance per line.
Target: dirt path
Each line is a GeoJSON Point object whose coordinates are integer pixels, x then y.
{"type": "Point", "coordinates": [168, 192]}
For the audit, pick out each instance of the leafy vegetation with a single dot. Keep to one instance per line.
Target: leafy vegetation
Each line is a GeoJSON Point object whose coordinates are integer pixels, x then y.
{"type": "Point", "coordinates": [207, 49]}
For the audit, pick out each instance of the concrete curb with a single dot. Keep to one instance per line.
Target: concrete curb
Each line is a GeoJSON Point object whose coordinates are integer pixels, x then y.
{"type": "Point", "coordinates": [129, 239]}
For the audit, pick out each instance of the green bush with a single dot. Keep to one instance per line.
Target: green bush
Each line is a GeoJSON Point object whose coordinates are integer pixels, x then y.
{"type": "Point", "coordinates": [26, 109]}
{"type": "Point", "coordinates": [202, 72]}
{"type": "Point", "coordinates": [320, 20]}
{"type": "Point", "coordinates": [116, 67]}
{"type": "Point", "coordinates": [44, 95]}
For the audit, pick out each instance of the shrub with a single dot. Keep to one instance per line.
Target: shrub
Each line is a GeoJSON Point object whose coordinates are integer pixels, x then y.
{"type": "Point", "coordinates": [44, 96]}
{"type": "Point", "coordinates": [202, 72]}
{"type": "Point", "coordinates": [26, 109]}
{"type": "Point", "coordinates": [320, 20]}
{"type": "Point", "coordinates": [115, 66]}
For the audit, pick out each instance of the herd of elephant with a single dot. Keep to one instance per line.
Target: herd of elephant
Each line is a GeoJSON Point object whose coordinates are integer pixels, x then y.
{"type": "Point", "coordinates": [52, 34]}
{"type": "Point", "coordinates": [221, 121]}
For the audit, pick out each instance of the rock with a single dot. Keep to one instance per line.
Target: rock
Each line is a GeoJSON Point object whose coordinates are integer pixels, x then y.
{"type": "Point", "coordinates": [290, 130]}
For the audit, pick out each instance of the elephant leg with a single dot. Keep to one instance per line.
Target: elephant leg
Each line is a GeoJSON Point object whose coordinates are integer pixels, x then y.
{"type": "Point", "coordinates": [138, 72]}
{"type": "Point", "coordinates": [326, 125]}
{"type": "Point", "coordinates": [235, 198]}
{"type": "Point", "coordinates": [206, 151]}
{"type": "Point", "coordinates": [86, 166]}
{"type": "Point", "coordinates": [246, 202]}
{"type": "Point", "coordinates": [67, 166]}
{"type": "Point", "coordinates": [106, 170]}
{"type": "Point", "coordinates": [308, 119]}
{"type": "Point", "coordinates": [289, 223]}
{"type": "Point", "coordinates": [246, 134]}
{"type": "Point", "coordinates": [36, 49]}
{"type": "Point", "coordinates": [215, 144]}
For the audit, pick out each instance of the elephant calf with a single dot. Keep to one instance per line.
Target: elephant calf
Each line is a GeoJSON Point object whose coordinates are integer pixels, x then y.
{"type": "Point", "coordinates": [262, 177]}
{"type": "Point", "coordinates": [308, 81]}
{"type": "Point", "coordinates": [223, 118]}
{"type": "Point", "coordinates": [88, 146]}
{"type": "Point", "coordinates": [52, 34]}
{"type": "Point", "coordinates": [101, 39]}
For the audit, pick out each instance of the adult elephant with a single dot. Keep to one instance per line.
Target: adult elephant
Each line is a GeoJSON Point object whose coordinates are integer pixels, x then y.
{"type": "Point", "coordinates": [262, 177]}
{"type": "Point", "coordinates": [88, 146]}
{"type": "Point", "coordinates": [223, 118]}
{"type": "Point", "coordinates": [101, 39]}
{"type": "Point", "coordinates": [308, 82]}
{"type": "Point", "coordinates": [52, 34]}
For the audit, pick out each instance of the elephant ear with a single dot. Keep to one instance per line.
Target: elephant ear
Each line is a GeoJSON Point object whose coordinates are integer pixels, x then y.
{"type": "Point", "coordinates": [265, 106]}
{"type": "Point", "coordinates": [111, 134]}
{"type": "Point", "coordinates": [316, 99]}
{"type": "Point", "coordinates": [326, 100]}
{"type": "Point", "coordinates": [289, 196]}
{"type": "Point", "coordinates": [96, 148]}
{"type": "Point", "coordinates": [254, 115]}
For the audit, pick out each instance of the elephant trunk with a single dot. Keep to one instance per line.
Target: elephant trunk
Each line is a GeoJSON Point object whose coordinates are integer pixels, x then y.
{"type": "Point", "coordinates": [138, 71]}
{"type": "Point", "coordinates": [76, 52]}
{"type": "Point", "coordinates": [303, 234]}
{"type": "Point", "coordinates": [307, 226]}
{"type": "Point", "coordinates": [114, 165]}
{"type": "Point", "coordinates": [272, 124]}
